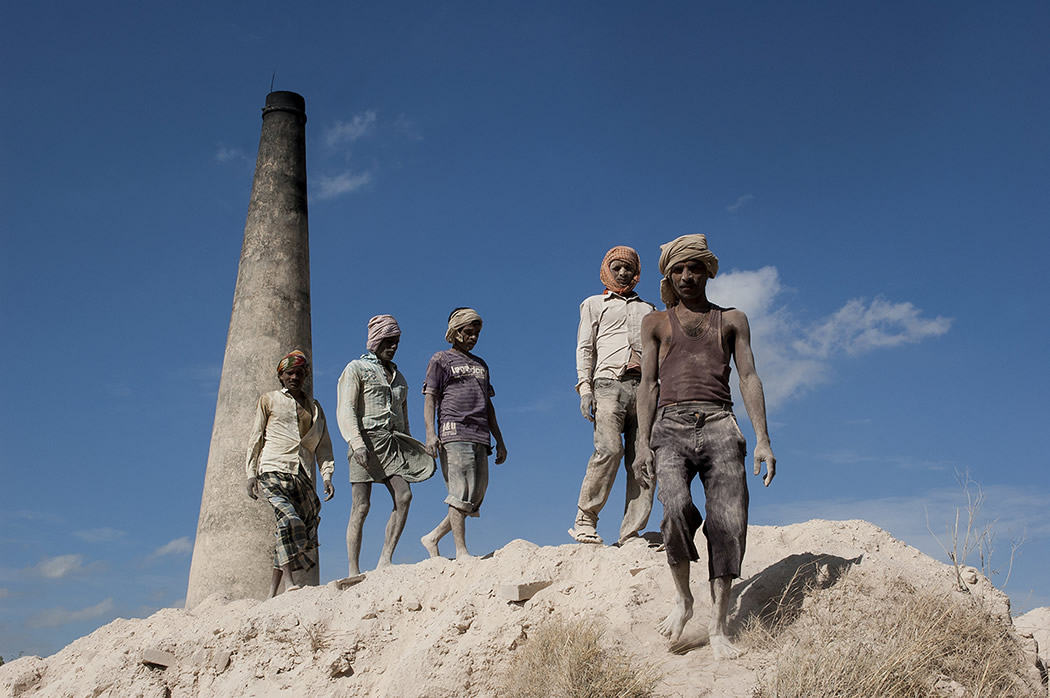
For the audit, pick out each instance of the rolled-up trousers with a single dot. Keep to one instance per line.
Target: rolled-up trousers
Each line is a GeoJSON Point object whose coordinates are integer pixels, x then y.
{"type": "Point", "coordinates": [702, 439]}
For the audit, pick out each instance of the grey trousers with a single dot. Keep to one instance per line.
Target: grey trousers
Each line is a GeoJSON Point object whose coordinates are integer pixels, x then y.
{"type": "Point", "coordinates": [615, 429]}
{"type": "Point", "coordinates": [701, 438]}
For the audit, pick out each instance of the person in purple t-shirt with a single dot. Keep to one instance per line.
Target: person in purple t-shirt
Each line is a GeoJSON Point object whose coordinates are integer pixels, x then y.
{"type": "Point", "coordinates": [458, 397]}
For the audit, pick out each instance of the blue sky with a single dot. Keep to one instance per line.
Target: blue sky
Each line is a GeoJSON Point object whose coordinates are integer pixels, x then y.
{"type": "Point", "coordinates": [874, 178]}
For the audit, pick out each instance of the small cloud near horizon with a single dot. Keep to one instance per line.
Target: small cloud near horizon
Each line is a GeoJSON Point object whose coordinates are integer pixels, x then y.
{"type": "Point", "coordinates": [52, 617]}
{"type": "Point", "coordinates": [347, 132]}
{"type": "Point", "coordinates": [179, 546]}
{"type": "Point", "coordinates": [224, 154]}
{"type": "Point", "coordinates": [60, 566]}
{"type": "Point", "coordinates": [740, 202]}
{"type": "Point", "coordinates": [99, 535]}
{"type": "Point", "coordinates": [331, 187]}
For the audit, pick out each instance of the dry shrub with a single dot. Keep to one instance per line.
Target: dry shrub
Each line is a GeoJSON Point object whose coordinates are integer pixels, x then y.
{"type": "Point", "coordinates": [565, 659]}
{"type": "Point", "coordinates": [856, 640]}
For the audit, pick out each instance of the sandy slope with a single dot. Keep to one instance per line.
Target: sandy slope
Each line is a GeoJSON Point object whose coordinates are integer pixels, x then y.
{"type": "Point", "coordinates": [439, 628]}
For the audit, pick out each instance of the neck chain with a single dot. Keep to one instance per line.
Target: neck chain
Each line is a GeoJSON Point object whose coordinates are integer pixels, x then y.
{"type": "Point", "coordinates": [694, 328]}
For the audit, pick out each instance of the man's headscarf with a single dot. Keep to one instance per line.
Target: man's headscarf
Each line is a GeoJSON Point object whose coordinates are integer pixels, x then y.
{"type": "Point", "coordinates": [294, 359]}
{"type": "Point", "coordinates": [683, 249]}
{"type": "Point", "coordinates": [379, 328]}
{"type": "Point", "coordinates": [620, 253]}
{"type": "Point", "coordinates": [460, 319]}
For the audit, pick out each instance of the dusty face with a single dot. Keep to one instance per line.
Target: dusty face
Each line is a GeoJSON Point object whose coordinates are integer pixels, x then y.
{"type": "Point", "coordinates": [467, 336]}
{"type": "Point", "coordinates": [623, 272]}
{"type": "Point", "coordinates": [387, 348]}
{"type": "Point", "coordinates": [689, 279]}
{"type": "Point", "coordinates": [293, 379]}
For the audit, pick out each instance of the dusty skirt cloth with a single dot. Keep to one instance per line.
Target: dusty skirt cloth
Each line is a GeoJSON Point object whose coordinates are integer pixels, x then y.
{"type": "Point", "coordinates": [296, 509]}
{"type": "Point", "coordinates": [389, 454]}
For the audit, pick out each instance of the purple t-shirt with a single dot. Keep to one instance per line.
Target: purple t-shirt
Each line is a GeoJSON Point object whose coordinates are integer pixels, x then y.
{"type": "Point", "coordinates": [460, 385]}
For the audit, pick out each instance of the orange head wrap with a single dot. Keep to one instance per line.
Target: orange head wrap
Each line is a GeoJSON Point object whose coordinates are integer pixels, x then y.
{"type": "Point", "coordinates": [620, 253]}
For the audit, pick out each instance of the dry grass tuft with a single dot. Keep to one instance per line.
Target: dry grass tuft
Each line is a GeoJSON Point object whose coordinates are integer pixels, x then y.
{"type": "Point", "coordinates": [565, 659]}
{"type": "Point", "coordinates": [856, 640]}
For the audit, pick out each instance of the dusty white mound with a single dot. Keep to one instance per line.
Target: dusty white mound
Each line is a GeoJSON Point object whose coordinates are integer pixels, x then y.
{"type": "Point", "coordinates": [441, 628]}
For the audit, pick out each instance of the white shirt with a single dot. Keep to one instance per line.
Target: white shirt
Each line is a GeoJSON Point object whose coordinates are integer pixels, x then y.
{"type": "Point", "coordinates": [610, 327]}
{"type": "Point", "coordinates": [275, 444]}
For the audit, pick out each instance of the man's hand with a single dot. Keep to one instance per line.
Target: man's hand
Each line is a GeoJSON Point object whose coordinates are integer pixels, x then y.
{"type": "Point", "coordinates": [432, 445]}
{"type": "Point", "coordinates": [253, 487]}
{"type": "Point", "coordinates": [329, 489]}
{"type": "Point", "coordinates": [764, 454]}
{"type": "Point", "coordinates": [501, 453]}
{"type": "Point", "coordinates": [587, 406]}
{"type": "Point", "coordinates": [642, 467]}
{"type": "Point", "coordinates": [361, 456]}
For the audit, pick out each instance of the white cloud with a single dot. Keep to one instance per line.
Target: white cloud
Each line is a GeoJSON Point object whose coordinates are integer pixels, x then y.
{"type": "Point", "coordinates": [1011, 512]}
{"type": "Point", "coordinates": [179, 546]}
{"type": "Point", "coordinates": [343, 132]}
{"type": "Point", "coordinates": [733, 208]}
{"type": "Point", "coordinates": [857, 328]}
{"type": "Point", "coordinates": [60, 616]}
{"type": "Point", "coordinates": [792, 357]}
{"type": "Point", "coordinates": [331, 187]}
{"type": "Point", "coordinates": [225, 154]}
{"type": "Point", "coordinates": [60, 566]}
{"type": "Point", "coordinates": [99, 535]}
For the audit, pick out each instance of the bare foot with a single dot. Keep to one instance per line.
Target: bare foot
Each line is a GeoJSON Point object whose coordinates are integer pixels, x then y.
{"type": "Point", "coordinates": [431, 545]}
{"type": "Point", "coordinates": [465, 556]}
{"type": "Point", "coordinates": [672, 626]}
{"type": "Point", "coordinates": [384, 562]}
{"type": "Point", "coordinates": [294, 587]}
{"type": "Point", "coordinates": [723, 648]}
{"type": "Point", "coordinates": [347, 582]}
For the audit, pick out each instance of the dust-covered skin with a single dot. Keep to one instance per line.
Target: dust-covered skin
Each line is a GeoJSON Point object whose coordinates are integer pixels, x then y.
{"type": "Point", "coordinates": [292, 380]}
{"type": "Point", "coordinates": [361, 492]}
{"type": "Point", "coordinates": [692, 311]}
{"type": "Point", "coordinates": [464, 339]}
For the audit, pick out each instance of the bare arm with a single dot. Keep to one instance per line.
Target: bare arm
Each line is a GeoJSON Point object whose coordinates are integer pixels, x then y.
{"type": "Point", "coordinates": [751, 391]}
{"type": "Point", "coordinates": [648, 391]}
{"type": "Point", "coordinates": [429, 415]}
{"type": "Point", "coordinates": [501, 448]}
{"type": "Point", "coordinates": [324, 457]}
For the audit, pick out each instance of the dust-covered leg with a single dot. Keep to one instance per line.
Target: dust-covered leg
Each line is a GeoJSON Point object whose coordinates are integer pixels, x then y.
{"type": "Point", "coordinates": [275, 581]}
{"type": "Point", "coordinates": [401, 494]}
{"type": "Point", "coordinates": [458, 521]}
{"type": "Point", "coordinates": [360, 503]}
{"type": "Point", "coordinates": [720, 644]}
{"type": "Point", "coordinates": [682, 609]}
{"type": "Point", "coordinates": [430, 541]}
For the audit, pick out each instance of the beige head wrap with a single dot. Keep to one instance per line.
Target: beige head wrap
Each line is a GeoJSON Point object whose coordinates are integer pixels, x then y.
{"type": "Point", "coordinates": [680, 250]}
{"type": "Point", "coordinates": [460, 318]}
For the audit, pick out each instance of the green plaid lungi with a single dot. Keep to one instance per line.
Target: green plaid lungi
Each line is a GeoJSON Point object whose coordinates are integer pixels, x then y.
{"type": "Point", "coordinates": [296, 509]}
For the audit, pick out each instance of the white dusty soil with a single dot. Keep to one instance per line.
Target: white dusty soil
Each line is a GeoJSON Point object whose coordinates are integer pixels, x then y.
{"type": "Point", "coordinates": [441, 628]}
